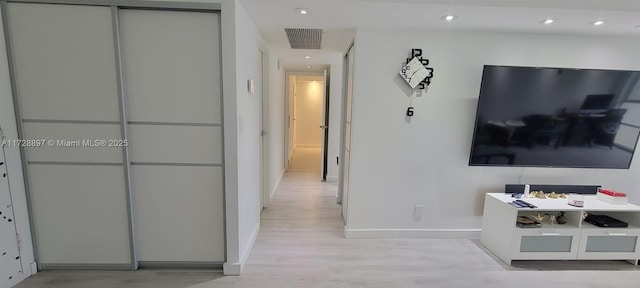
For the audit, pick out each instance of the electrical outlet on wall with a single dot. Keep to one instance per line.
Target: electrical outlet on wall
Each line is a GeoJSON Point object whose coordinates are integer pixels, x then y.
{"type": "Point", "coordinates": [417, 213]}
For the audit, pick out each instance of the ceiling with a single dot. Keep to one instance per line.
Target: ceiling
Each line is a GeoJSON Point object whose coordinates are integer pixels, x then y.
{"type": "Point", "coordinates": [339, 18]}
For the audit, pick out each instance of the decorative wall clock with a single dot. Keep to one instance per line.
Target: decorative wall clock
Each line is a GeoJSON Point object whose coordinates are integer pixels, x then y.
{"type": "Point", "coordinates": [416, 71]}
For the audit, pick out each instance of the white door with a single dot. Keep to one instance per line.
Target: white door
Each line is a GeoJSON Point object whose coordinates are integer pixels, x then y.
{"type": "Point", "coordinates": [172, 70]}
{"type": "Point", "coordinates": [10, 266]}
{"type": "Point", "coordinates": [289, 114]}
{"type": "Point", "coordinates": [67, 87]}
{"type": "Point", "coordinates": [261, 91]}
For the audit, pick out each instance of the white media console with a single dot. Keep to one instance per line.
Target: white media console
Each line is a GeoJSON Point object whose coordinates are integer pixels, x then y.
{"type": "Point", "coordinates": [575, 240]}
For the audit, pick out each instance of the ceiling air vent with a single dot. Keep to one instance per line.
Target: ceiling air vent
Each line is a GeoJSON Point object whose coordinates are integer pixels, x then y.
{"type": "Point", "coordinates": [303, 38]}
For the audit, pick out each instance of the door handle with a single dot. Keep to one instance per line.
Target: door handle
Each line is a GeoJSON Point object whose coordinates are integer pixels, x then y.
{"type": "Point", "coordinates": [617, 234]}
{"type": "Point", "coordinates": [324, 126]}
{"type": "Point", "coordinates": [550, 234]}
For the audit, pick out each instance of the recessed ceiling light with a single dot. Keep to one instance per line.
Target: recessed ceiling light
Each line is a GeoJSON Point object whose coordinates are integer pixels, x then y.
{"type": "Point", "coordinates": [449, 17]}
{"type": "Point", "coordinates": [302, 11]}
{"type": "Point", "coordinates": [597, 23]}
{"type": "Point", "coordinates": [548, 21]}
{"type": "Point", "coordinates": [308, 66]}
{"type": "Point", "coordinates": [307, 57]}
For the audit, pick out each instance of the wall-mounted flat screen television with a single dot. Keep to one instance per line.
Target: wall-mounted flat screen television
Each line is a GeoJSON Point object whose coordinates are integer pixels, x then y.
{"type": "Point", "coordinates": [556, 117]}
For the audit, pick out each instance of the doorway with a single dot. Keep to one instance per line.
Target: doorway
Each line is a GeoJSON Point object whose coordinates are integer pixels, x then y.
{"type": "Point", "coordinates": [306, 122]}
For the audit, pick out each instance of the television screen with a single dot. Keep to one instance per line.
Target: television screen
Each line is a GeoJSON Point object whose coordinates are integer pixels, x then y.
{"type": "Point", "coordinates": [597, 102]}
{"type": "Point", "coordinates": [556, 117]}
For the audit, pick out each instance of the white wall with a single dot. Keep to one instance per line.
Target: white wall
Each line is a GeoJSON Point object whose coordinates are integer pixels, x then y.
{"type": "Point", "coordinates": [398, 163]}
{"type": "Point", "coordinates": [308, 113]}
{"type": "Point", "coordinates": [248, 133]}
{"type": "Point", "coordinates": [14, 162]}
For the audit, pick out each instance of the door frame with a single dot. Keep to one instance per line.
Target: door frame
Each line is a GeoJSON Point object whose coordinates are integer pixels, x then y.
{"type": "Point", "coordinates": [287, 113]}
{"type": "Point", "coordinates": [265, 160]}
{"type": "Point", "coordinates": [343, 123]}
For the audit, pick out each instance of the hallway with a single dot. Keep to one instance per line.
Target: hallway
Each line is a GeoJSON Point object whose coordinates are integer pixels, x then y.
{"type": "Point", "coordinates": [305, 159]}
{"type": "Point", "coordinates": [302, 244]}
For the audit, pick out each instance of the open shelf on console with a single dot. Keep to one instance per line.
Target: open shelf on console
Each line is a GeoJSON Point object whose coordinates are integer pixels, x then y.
{"type": "Point", "coordinates": [573, 219]}
{"type": "Point", "coordinates": [587, 225]}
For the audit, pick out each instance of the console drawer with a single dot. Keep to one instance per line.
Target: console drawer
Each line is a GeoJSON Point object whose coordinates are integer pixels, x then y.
{"type": "Point", "coordinates": [608, 243]}
{"type": "Point", "coordinates": [537, 244]}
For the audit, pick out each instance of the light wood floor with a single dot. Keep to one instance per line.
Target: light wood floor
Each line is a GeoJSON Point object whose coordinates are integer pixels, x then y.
{"type": "Point", "coordinates": [301, 245]}
{"type": "Point", "coordinates": [305, 159]}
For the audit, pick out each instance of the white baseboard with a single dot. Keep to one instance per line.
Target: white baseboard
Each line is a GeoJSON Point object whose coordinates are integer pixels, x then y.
{"type": "Point", "coordinates": [332, 178]}
{"type": "Point", "coordinates": [247, 251]}
{"type": "Point", "coordinates": [412, 233]}
{"type": "Point", "coordinates": [235, 269]}
{"type": "Point", "coordinates": [231, 269]}
{"type": "Point", "coordinates": [272, 194]}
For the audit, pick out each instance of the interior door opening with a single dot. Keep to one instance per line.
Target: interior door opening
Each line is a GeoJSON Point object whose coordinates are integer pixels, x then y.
{"type": "Point", "coordinates": [306, 123]}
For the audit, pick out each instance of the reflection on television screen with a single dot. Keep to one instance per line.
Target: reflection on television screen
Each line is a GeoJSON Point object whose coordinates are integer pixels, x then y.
{"type": "Point", "coordinates": [556, 117]}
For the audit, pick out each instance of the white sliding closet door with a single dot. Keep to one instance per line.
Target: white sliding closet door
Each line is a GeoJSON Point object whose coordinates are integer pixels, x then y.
{"type": "Point", "coordinates": [65, 71]}
{"type": "Point", "coordinates": [172, 72]}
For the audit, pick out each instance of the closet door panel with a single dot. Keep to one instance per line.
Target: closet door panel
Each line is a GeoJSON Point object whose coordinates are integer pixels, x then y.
{"type": "Point", "coordinates": [171, 144]}
{"type": "Point", "coordinates": [66, 81]}
{"type": "Point", "coordinates": [81, 216]}
{"type": "Point", "coordinates": [66, 69]}
{"type": "Point", "coordinates": [179, 222]}
{"type": "Point", "coordinates": [74, 142]}
{"type": "Point", "coordinates": [172, 70]}
{"type": "Point", "coordinates": [172, 66]}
